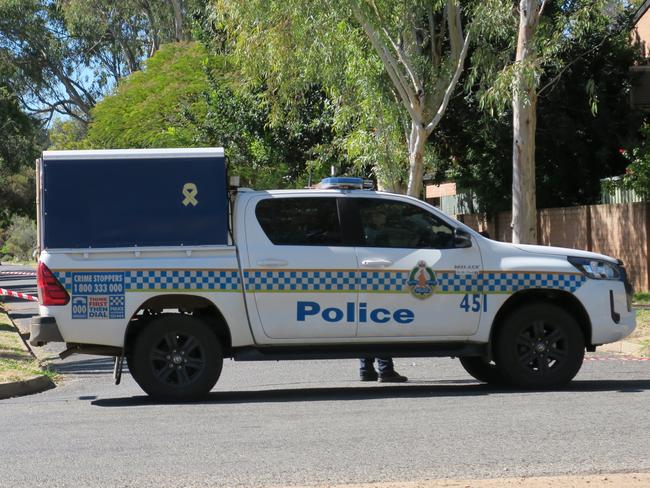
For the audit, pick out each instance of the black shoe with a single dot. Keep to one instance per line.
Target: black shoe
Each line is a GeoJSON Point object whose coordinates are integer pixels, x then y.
{"type": "Point", "coordinates": [369, 376]}
{"type": "Point", "coordinates": [392, 377]}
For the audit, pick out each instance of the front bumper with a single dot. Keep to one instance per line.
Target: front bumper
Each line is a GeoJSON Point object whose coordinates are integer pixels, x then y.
{"type": "Point", "coordinates": [44, 330]}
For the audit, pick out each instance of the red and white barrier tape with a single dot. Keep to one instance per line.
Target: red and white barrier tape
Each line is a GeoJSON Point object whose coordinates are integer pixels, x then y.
{"type": "Point", "coordinates": [16, 294]}
{"type": "Point", "coordinates": [17, 273]}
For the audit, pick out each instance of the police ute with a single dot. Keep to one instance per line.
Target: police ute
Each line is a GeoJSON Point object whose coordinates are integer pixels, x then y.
{"type": "Point", "coordinates": [152, 256]}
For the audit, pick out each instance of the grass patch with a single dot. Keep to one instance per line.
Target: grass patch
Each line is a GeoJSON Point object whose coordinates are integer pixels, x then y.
{"type": "Point", "coordinates": [17, 262]}
{"type": "Point", "coordinates": [642, 332]}
{"type": "Point", "coordinates": [642, 298]}
{"type": "Point", "coordinates": [643, 320]}
{"type": "Point", "coordinates": [19, 369]}
{"type": "Point", "coordinates": [16, 363]}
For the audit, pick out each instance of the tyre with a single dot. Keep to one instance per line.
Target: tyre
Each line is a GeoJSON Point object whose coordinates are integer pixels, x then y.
{"type": "Point", "coordinates": [176, 358]}
{"type": "Point", "coordinates": [482, 370]}
{"type": "Point", "coordinates": [539, 346]}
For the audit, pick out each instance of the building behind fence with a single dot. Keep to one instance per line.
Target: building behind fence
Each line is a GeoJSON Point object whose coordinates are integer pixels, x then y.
{"type": "Point", "coordinates": [622, 231]}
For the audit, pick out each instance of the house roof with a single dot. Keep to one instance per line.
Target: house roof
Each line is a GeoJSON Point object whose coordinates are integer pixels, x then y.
{"type": "Point", "coordinates": [641, 11]}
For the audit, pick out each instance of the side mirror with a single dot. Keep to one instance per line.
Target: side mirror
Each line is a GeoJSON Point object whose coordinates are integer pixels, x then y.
{"type": "Point", "coordinates": [462, 239]}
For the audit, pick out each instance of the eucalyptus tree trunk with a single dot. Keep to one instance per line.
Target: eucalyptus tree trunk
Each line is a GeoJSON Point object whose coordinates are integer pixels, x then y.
{"type": "Point", "coordinates": [524, 123]}
{"type": "Point", "coordinates": [417, 142]}
{"type": "Point", "coordinates": [178, 20]}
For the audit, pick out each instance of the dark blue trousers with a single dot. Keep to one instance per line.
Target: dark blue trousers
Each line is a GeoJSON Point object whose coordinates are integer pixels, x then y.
{"type": "Point", "coordinates": [385, 365]}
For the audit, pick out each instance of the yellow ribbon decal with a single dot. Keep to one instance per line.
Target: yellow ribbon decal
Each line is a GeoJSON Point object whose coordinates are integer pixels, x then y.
{"type": "Point", "coordinates": [189, 192]}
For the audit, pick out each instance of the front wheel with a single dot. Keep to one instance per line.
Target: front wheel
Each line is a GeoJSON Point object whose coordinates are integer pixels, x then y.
{"type": "Point", "coordinates": [539, 346]}
{"type": "Point", "coordinates": [176, 358]}
{"type": "Point", "coordinates": [479, 368]}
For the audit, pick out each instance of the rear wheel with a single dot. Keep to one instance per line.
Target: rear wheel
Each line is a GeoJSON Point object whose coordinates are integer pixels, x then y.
{"type": "Point", "coordinates": [176, 358]}
{"type": "Point", "coordinates": [481, 369]}
{"type": "Point", "coordinates": [540, 346]}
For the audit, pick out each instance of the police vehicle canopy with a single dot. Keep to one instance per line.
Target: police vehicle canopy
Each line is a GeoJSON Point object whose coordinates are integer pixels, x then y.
{"type": "Point", "coordinates": [136, 197]}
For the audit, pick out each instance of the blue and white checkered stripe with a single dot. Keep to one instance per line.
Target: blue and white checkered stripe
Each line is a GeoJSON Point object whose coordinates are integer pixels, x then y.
{"type": "Point", "coordinates": [65, 278]}
{"type": "Point", "coordinates": [308, 280]}
{"type": "Point", "coordinates": [208, 280]}
{"type": "Point", "coordinates": [383, 281]}
{"type": "Point", "coordinates": [397, 281]}
{"type": "Point", "coordinates": [450, 282]}
{"type": "Point", "coordinates": [512, 282]}
{"type": "Point", "coordinates": [170, 279]}
{"type": "Point", "coordinates": [336, 281]}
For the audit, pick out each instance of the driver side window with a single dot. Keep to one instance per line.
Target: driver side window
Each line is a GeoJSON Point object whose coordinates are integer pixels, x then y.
{"type": "Point", "coordinates": [394, 224]}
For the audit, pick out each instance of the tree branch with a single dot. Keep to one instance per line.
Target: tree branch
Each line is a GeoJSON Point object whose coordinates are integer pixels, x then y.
{"type": "Point", "coordinates": [450, 88]}
{"type": "Point", "coordinates": [569, 64]}
{"type": "Point", "coordinates": [403, 57]}
{"type": "Point", "coordinates": [392, 68]}
{"type": "Point", "coordinates": [541, 8]}
{"type": "Point", "coordinates": [370, 31]}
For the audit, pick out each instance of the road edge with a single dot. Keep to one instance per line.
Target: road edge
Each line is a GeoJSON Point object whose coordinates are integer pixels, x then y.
{"type": "Point", "coordinates": [33, 385]}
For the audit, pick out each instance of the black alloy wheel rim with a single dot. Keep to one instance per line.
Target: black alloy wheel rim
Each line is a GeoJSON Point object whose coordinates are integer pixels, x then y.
{"type": "Point", "coordinates": [177, 359]}
{"type": "Point", "coordinates": [541, 347]}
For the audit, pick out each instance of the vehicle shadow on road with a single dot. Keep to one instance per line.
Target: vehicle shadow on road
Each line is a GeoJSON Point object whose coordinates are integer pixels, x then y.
{"type": "Point", "coordinates": [101, 365]}
{"type": "Point", "coordinates": [459, 388]}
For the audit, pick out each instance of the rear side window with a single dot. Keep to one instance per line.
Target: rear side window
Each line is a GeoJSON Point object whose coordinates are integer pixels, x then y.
{"type": "Point", "coordinates": [300, 221]}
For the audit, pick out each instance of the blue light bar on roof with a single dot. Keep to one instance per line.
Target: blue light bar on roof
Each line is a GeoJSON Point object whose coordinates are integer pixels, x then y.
{"type": "Point", "coordinates": [344, 183]}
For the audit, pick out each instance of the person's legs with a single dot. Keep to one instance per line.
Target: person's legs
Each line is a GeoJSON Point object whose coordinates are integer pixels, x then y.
{"type": "Point", "coordinates": [367, 369]}
{"type": "Point", "coordinates": [387, 373]}
{"type": "Point", "coordinates": [385, 365]}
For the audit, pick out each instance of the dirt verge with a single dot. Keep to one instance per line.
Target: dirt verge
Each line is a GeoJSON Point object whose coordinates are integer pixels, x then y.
{"type": "Point", "coordinates": [20, 372]}
{"type": "Point", "coordinates": [628, 480]}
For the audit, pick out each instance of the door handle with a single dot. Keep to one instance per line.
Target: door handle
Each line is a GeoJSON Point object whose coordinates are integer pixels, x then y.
{"type": "Point", "coordinates": [376, 263]}
{"type": "Point", "coordinates": [272, 262]}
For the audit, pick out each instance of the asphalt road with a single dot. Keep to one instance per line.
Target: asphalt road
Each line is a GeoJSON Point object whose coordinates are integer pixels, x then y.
{"type": "Point", "coordinates": [287, 423]}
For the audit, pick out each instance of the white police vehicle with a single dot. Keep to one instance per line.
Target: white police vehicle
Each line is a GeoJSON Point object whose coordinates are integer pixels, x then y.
{"type": "Point", "coordinates": [147, 256]}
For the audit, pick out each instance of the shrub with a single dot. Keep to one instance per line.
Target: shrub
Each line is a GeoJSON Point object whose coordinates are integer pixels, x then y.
{"type": "Point", "coordinates": [20, 238]}
{"type": "Point", "coordinates": [637, 174]}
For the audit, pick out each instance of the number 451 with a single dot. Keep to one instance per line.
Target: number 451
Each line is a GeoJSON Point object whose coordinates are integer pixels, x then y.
{"type": "Point", "coordinates": [474, 303]}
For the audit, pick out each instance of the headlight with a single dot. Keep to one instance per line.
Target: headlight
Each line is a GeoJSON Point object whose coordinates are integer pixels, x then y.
{"type": "Point", "coordinates": [597, 268]}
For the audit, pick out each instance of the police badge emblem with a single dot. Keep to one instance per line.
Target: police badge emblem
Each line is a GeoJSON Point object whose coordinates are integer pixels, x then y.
{"type": "Point", "coordinates": [422, 281]}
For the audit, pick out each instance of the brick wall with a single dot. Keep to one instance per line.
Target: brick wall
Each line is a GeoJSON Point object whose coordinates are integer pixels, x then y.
{"type": "Point", "coordinates": [622, 231]}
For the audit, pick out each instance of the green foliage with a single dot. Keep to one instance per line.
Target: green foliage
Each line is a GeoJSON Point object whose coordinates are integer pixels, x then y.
{"type": "Point", "coordinates": [20, 238]}
{"type": "Point", "coordinates": [474, 149]}
{"type": "Point", "coordinates": [67, 134]}
{"type": "Point", "coordinates": [290, 46]}
{"type": "Point", "coordinates": [637, 173]}
{"type": "Point", "coordinates": [148, 106]}
{"type": "Point", "coordinates": [266, 151]}
{"type": "Point", "coordinates": [68, 53]}
{"type": "Point", "coordinates": [576, 145]}
{"type": "Point", "coordinates": [584, 117]}
{"type": "Point", "coordinates": [562, 26]}
{"type": "Point", "coordinates": [45, 59]}
{"type": "Point", "coordinates": [371, 142]}
{"type": "Point", "coordinates": [19, 148]}
{"type": "Point", "coordinates": [188, 98]}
